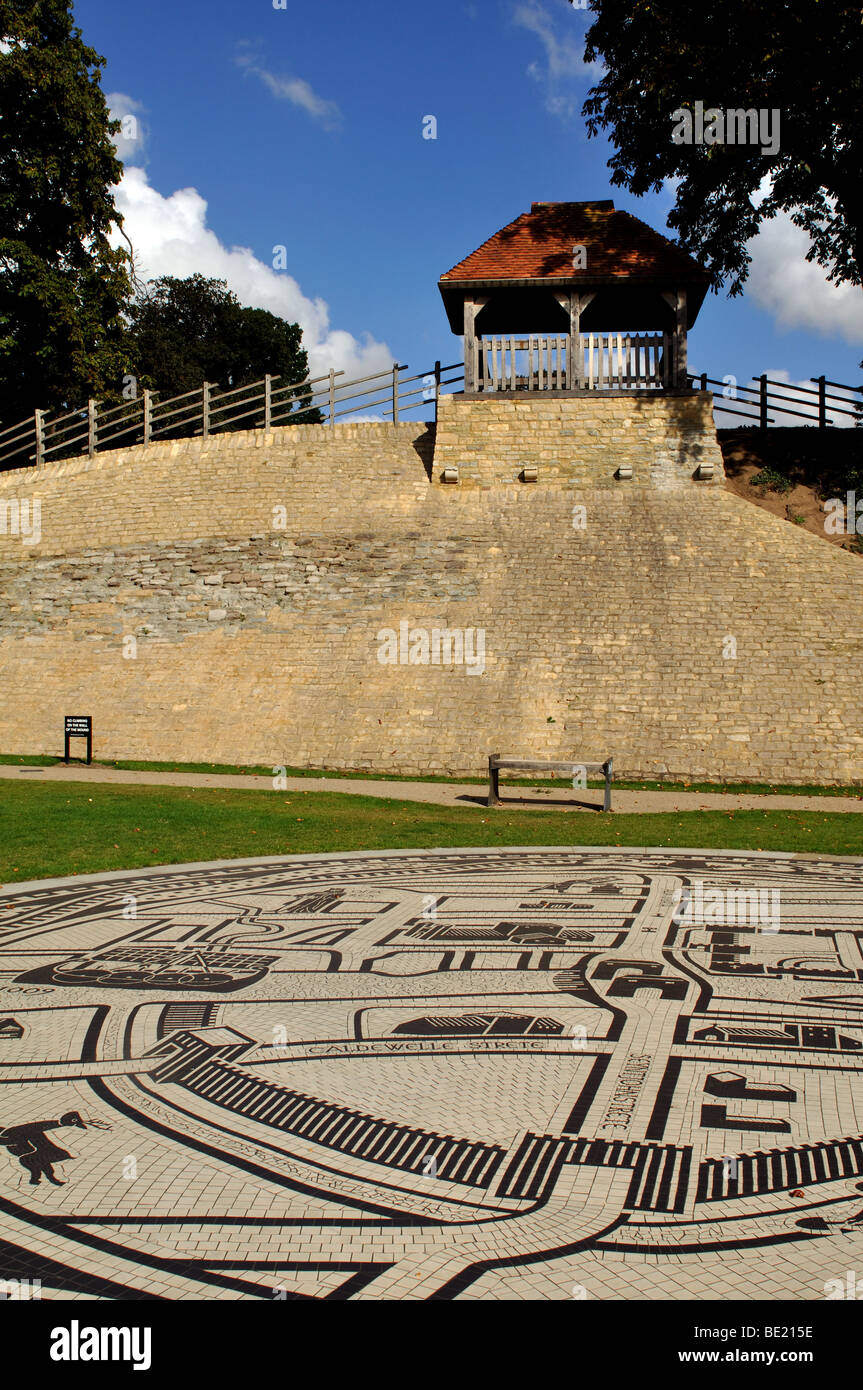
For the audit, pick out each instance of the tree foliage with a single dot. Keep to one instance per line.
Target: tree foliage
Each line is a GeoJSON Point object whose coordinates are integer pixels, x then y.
{"type": "Point", "coordinates": [806, 61]}
{"type": "Point", "coordinates": [185, 332]}
{"type": "Point", "coordinates": [63, 288]}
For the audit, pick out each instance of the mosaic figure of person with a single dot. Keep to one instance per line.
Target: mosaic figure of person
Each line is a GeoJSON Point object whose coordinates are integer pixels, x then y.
{"type": "Point", "coordinates": [34, 1150]}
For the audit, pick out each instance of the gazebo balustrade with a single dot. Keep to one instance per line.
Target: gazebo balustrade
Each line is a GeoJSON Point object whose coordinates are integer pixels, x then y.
{"type": "Point", "coordinates": [558, 362]}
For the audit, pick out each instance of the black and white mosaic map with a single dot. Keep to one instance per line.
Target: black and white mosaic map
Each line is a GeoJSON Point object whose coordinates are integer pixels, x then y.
{"type": "Point", "coordinates": [456, 1074]}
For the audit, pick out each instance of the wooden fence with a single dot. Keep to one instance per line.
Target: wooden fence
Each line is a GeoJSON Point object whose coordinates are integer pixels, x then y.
{"type": "Point", "coordinates": [259, 405]}
{"type": "Point", "coordinates": [601, 361]}
{"type": "Point", "coordinates": [817, 401]}
{"type": "Point", "coordinates": [606, 361]}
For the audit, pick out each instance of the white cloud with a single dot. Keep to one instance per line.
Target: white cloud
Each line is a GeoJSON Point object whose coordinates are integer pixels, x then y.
{"type": "Point", "coordinates": [564, 59]}
{"type": "Point", "coordinates": [295, 90]}
{"type": "Point", "coordinates": [171, 237]}
{"type": "Point", "coordinates": [796, 291]}
{"type": "Point", "coordinates": [130, 141]}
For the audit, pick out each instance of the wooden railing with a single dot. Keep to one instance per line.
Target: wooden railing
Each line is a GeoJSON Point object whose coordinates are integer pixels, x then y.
{"type": "Point", "coordinates": [259, 405]}
{"type": "Point", "coordinates": [601, 361]}
{"type": "Point", "coordinates": [817, 401]}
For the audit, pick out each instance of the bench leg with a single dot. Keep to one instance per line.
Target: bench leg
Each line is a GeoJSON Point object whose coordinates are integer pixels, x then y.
{"type": "Point", "coordinates": [493, 784]}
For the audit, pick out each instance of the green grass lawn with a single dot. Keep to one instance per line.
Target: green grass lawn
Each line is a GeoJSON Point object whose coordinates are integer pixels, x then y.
{"type": "Point", "coordinates": [50, 829]}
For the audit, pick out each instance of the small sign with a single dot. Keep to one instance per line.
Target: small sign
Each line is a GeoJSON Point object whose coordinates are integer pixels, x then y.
{"type": "Point", "coordinates": [79, 726]}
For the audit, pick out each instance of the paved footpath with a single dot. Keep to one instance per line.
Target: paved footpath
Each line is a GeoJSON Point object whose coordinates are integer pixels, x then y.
{"type": "Point", "coordinates": [447, 793]}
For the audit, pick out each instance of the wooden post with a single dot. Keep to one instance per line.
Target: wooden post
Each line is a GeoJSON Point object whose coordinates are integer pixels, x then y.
{"type": "Point", "coordinates": [680, 362]}
{"type": "Point", "coordinates": [822, 402]}
{"type": "Point", "coordinates": [205, 417]}
{"type": "Point", "coordinates": [148, 416]}
{"type": "Point", "coordinates": [332, 419]}
{"type": "Point", "coordinates": [762, 400]}
{"type": "Point", "coordinates": [395, 393]}
{"type": "Point", "coordinates": [436, 389]}
{"type": "Point", "coordinates": [268, 403]}
{"type": "Point", "coordinates": [469, 339]}
{"type": "Point", "coordinates": [575, 303]}
{"type": "Point", "coordinates": [91, 427]}
{"type": "Point", "coordinates": [704, 381]}
{"type": "Point", "coordinates": [40, 438]}
{"type": "Point", "coordinates": [471, 347]}
{"type": "Point", "coordinates": [574, 371]}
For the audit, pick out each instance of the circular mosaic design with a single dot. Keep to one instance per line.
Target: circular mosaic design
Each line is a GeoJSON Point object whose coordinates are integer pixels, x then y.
{"type": "Point", "coordinates": [451, 1074]}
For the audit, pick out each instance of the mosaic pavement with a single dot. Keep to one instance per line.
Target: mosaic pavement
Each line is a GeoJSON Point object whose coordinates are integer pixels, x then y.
{"type": "Point", "coordinates": [475, 1074]}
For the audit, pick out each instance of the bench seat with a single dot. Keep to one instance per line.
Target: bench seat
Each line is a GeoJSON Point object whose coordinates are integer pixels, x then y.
{"type": "Point", "coordinates": [497, 761]}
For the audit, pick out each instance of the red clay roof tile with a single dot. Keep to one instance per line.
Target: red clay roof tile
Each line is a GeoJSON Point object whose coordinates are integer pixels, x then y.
{"type": "Point", "coordinates": [538, 245]}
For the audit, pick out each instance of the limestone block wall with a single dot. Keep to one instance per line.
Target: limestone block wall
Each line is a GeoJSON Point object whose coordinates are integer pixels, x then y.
{"type": "Point", "coordinates": [674, 626]}
{"type": "Point", "coordinates": [579, 440]}
{"type": "Point", "coordinates": [226, 485]}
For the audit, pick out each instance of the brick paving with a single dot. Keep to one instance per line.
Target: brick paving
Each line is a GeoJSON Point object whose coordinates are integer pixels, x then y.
{"type": "Point", "coordinates": [458, 1074]}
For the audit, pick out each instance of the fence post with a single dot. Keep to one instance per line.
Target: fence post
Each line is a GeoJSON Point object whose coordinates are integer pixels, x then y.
{"type": "Point", "coordinates": [332, 397]}
{"type": "Point", "coordinates": [205, 424]}
{"type": "Point", "coordinates": [91, 427]}
{"type": "Point", "coordinates": [822, 402]}
{"type": "Point", "coordinates": [436, 389]}
{"type": "Point", "coordinates": [395, 393]}
{"type": "Point", "coordinates": [704, 381]}
{"type": "Point", "coordinates": [148, 416]}
{"type": "Point", "coordinates": [763, 400]}
{"type": "Point", "coordinates": [268, 403]}
{"type": "Point", "coordinates": [40, 438]}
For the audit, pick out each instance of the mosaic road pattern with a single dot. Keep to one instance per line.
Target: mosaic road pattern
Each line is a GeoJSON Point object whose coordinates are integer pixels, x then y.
{"type": "Point", "coordinates": [461, 1074]}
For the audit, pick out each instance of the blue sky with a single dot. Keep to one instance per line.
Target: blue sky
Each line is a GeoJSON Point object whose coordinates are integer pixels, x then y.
{"type": "Point", "coordinates": [303, 127]}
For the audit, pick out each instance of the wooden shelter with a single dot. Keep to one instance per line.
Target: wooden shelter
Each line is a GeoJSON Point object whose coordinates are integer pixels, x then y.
{"type": "Point", "coordinates": [574, 297]}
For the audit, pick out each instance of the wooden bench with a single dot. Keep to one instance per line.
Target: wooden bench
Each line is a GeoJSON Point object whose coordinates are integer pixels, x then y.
{"type": "Point", "coordinates": [496, 762]}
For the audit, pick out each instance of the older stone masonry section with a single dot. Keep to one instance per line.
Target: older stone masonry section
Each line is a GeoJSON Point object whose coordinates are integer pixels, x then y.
{"type": "Point", "coordinates": [256, 573]}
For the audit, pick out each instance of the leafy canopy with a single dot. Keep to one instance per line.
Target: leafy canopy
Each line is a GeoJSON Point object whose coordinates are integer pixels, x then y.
{"type": "Point", "coordinates": [185, 332]}
{"type": "Point", "coordinates": [806, 61]}
{"type": "Point", "coordinates": [63, 288]}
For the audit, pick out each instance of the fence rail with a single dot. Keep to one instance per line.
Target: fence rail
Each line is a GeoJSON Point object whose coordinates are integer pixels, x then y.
{"type": "Point", "coordinates": [605, 361]}
{"type": "Point", "coordinates": [758, 410]}
{"type": "Point", "coordinates": [205, 411]}
{"type": "Point", "coordinates": [599, 361]}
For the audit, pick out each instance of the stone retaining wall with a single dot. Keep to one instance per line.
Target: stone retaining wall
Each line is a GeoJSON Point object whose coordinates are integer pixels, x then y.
{"type": "Point", "coordinates": [663, 620]}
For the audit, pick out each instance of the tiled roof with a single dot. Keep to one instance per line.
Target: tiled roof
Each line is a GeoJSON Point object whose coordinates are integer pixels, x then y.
{"type": "Point", "coordinates": [538, 245]}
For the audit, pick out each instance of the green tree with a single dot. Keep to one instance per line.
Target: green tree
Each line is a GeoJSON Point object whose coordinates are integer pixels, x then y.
{"type": "Point", "coordinates": [185, 332]}
{"type": "Point", "coordinates": [806, 61]}
{"type": "Point", "coordinates": [63, 288]}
